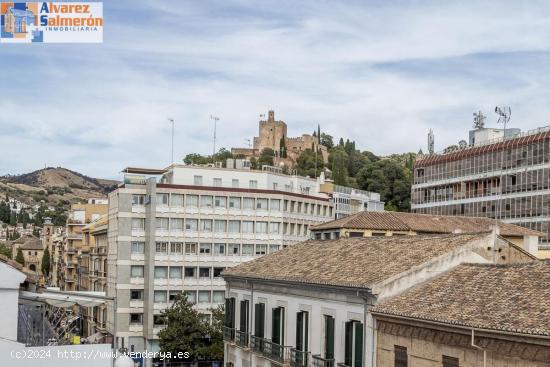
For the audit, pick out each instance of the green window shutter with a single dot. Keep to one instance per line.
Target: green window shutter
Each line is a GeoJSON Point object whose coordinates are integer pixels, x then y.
{"type": "Point", "coordinates": [299, 330]}
{"type": "Point", "coordinates": [348, 346]}
{"type": "Point", "coordinates": [358, 344]}
{"type": "Point", "coordinates": [259, 317]}
{"type": "Point", "coordinates": [306, 331]}
{"type": "Point", "coordinates": [227, 312]}
{"type": "Point", "coordinates": [329, 337]}
{"type": "Point", "coordinates": [243, 322]}
{"type": "Point", "coordinates": [276, 326]}
{"type": "Point", "coordinates": [232, 313]}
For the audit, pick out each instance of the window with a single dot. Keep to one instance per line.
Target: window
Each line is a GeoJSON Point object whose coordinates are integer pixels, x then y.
{"type": "Point", "coordinates": [218, 272]}
{"type": "Point", "coordinates": [136, 318]}
{"type": "Point", "coordinates": [206, 225]}
{"type": "Point", "coordinates": [136, 271]}
{"type": "Point", "coordinates": [138, 247]}
{"type": "Point", "coordinates": [220, 226]}
{"type": "Point", "coordinates": [219, 249]}
{"type": "Point", "coordinates": [353, 345]}
{"type": "Point", "coordinates": [136, 295]}
{"type": "Point", "coordinates": [162, 223]}
{"type": "Point", "coordinates": [259, 320]}
{"type": "Point", "coordinates": [138, 223]}
{"type": "Point", "coordinates": [220, 202]}
{"type": "Point", "coordinates": [275, 204]}
{"type": "Point", "coordinates": [450, 361]}
{"type": "Point", "coordinates": [261, 249]}
{"type": "Point", "coordinates": [355, 234]}
{"type": "Point", "coordinates": [172, 295]}
{"type": "Point", "coordinates": [189, 272]}
{"type": "Point", "coordinates": [329, 337]}
{"type": "Point", "coordinates": [261, 204]}
{"type": "Point", "coordinates": [204, 296]}
{"type": "Point", "coordinates": [233, 249]}
{"type": "Point", "coordinates": [278, 325]}
{"type": "Point", "coordinates": [176, 200]}
{"type": "Point", "coordinates": [176, 247]}
{"type": "Point", "coordinates": [206, 201]}
{"type": "Point", "coordinates": [302, 331]}
{"type": "Point", "coordinates": [234, 226]}
{"type": "Point", "coordinates": [248, 249]}
{"type": "Point", "coordinates": [218, 296]}
{"type": "Point", "coordinates": [191, 296]}
{"type": "Point", "coordinates": [234, 203]}
{"type": "Point", "coordinates": [205, 248]}
{"type": "Point", "coordinates": [204, 272]}
{"type": "Point", "coordinates": [248, 227]}
{"type": "Point", "coordinates": [161, 247]}
{"type": "Point", "coordinates": [162, 199]}
{"type": "Point", "coordinates": [261, 227]}
{"type": "Point", "coordinates": [190, 248]}
{"type": "Point", "coordinates": [176, 224]}
{"type": "Point", "coordinates": [275, 227]}
{"type": "Point", "coordinates": [160, 297]}
{"type": "Point", "coordinates": [161, 272]}
{"type": "Point", "coordinates": [234, 183]}
{"type": "Point", "coordinates": [175, 272]}
{"type": "Point", "coordinates": [273, 248]}
{"type": "Point", "coordinates": [253, 184]}
{"type": "Point", "coordinates": [191, 224]}
{"type": "Point", "coordinates": [217, 182]}
{"type": "Point", "coordinates": [192, 201]}
{"type": "Point", "coordinates": [248, 203]}
{"type": "Point", "coordinates": [400, 356]}
{"type": "Point", "coordinates": [138, 199]}
{"type": "Point", "coordinates": [197, 180]}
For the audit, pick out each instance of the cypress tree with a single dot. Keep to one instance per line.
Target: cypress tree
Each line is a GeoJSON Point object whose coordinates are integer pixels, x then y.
{"type": "Point", "coordinates": [46, 262]}
{"type": "Point", "coordinates": [19, 257]}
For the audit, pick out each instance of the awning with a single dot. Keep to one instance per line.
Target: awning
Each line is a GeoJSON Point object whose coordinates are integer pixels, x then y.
{"type": "Point", "coordinates": [64, 299]}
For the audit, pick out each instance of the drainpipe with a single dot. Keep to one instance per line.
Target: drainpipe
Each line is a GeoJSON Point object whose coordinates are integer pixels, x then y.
{"type": "Point", "coordinates": [480, 348]}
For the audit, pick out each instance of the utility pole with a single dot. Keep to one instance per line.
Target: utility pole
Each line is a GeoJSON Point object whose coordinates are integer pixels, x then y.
{"type": "Point", "coordinates": [216, 119]}
{"type": "Point", "coordinates": [172, 121]}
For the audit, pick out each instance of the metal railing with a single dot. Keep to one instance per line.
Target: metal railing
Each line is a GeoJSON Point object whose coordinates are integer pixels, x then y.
{"type": "Point", "coordinates": [228, 334]}
{"type": "Point", "coordinates": [342, 365]}
{"type": "Point", "coordinates": [241, 338]}
{"type": "Point", "coordinates": [277, 353]}
{"type": "Point", "coordinates": [298, 358]}
{"type": "Point", "coordinates": [256, 344]}
{"type": "Point", "coordinates": [318, 361]}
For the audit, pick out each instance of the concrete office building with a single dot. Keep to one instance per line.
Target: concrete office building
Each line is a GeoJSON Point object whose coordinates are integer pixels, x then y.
{"type": "Point", "coordinates": [174, 230]}
{"type": "Point", "coordinates": [507, 178]}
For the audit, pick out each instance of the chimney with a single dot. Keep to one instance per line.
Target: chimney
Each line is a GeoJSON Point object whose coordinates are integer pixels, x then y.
{"type": "Point", "coordinates": [271, 116]}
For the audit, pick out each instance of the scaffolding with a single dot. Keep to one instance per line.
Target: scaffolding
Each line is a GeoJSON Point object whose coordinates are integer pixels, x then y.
{"type": "Point", "coordinates": [506, 178]}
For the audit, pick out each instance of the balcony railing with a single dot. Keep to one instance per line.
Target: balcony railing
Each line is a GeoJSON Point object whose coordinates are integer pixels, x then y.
{"type": "Point", "coordinates": [228, 334]}
{"type": "Point", "coordinates": [318, 361]}
{"type": "Point", "coordinates": [277, 353]}
{"type": "Point", "coordinates": [298, 358]}
{"type": "Point", "coordinates": [342, 365]}
{"type": "Point", "coordinates": [241, 337]}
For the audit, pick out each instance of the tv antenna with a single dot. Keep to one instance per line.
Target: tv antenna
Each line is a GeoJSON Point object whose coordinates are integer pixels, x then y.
{"type": "Point", "coordinates": [216, 119]}
{"type": "Point", "coordinates": [479, 120]}
{"type": "Point", "coordinates": [504, 116]}
{"type": "Point", "coordinates": [248, 143]}
{"type": "Point", "coordinates": [431, 142]}
{"type": "Point", "coordinates": [172, 121]}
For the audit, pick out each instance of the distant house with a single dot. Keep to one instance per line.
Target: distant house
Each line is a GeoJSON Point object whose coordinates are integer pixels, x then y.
{"type": "Point", "coordinates": [33, 250]}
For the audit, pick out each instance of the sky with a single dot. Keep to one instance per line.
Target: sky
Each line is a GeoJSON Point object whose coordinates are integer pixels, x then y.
{"type": "Point", "coordinates": [379, 72]}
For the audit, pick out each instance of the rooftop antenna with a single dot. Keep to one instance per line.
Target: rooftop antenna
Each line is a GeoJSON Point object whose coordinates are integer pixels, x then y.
{"type": "Point", "coordinates": [172, 121]}
{"type": "Point", "coordinates": [479, 120]}
{"type": "Point", "coordinates": [216, 119]}
{"type": "Point", "coordinates": [431, 142]}
{"type": "Point", "coordinates": [248, 143]}
{"type": "Point", "coordinates": [504, 116]}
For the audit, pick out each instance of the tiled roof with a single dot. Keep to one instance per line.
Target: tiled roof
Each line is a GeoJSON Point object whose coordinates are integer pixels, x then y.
{"type": "Point", "coordinates": [423, 223]}
{"type": "Point", "coordinates": [349, 262]}
{"type": "Point", "coordinates": [32, 243]}
{"type": "Point", "coordinates": [512, 298]}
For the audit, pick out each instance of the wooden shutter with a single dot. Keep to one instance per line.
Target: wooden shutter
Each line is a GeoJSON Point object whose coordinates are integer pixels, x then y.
{"type": "Point", "coordinates": [348, 344]}
{"type": "Point", "coordinates": [299, 330]}
{"type": "Point", "coordinates": [243, 322]}
{"type": "Point", "coordinates": [259, 317]}
{"type": "Point", "coordinates": [276, 325]}
{"type": "Point", "coordinates": [358, 357]}
{"type": "Point", "coordinates": [329, 337]}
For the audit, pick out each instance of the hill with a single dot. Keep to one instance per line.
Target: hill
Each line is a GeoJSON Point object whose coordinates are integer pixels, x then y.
{"type": "Point", "coordinates": [54, 186]}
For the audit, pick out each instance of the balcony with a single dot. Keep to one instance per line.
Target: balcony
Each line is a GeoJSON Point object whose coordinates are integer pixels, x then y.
{"type": "Point", "coordinates": [241, 337]}
{"type": "Point", "coordinates": [318, 361]}
{"type": "Point", "coordinates": [342, 365]}
{"type": "Point", "coordinates": [276, 353]}
{"type": "Point", "coordinates": [228, 334]}
{"type": "Point", "coordinates": [298, 358]}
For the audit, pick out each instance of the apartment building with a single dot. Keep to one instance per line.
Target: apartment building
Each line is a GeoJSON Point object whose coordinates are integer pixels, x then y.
{"type": "Point", "coordinates": [507, 177]}
{"type": "Point", "coordinates": [348, 201]}
{"type": "Point", "coordinates": [317, 311]}
{"type": "Point", "coordinates": [74, 253]}
{"type": "Point", "coordinates": [175, 230]}
{"type": "Point", "coordinates": [94, 276]}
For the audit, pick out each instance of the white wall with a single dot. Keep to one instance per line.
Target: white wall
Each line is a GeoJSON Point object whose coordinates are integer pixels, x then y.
{"type": "Point", "coordinates": [10, 279]}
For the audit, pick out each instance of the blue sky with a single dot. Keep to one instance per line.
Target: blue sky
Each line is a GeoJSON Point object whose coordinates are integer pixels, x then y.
{"type": "Point", "coordinates": [380, 72]}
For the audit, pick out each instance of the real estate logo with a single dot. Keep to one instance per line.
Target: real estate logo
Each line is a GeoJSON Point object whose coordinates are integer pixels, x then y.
{"type": "Point", "coordinates": [51, 22]}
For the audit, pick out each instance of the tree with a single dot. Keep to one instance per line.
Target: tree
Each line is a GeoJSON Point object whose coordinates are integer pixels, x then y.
{"type": "Point", "coordinates": [327, 140]}
{"type": "Point", "coordinates": [339, 166]}
{"type": "Point", "coordinates": [185, 331]}
{"type": "Point", "coordinates": [282, 147]}
{"type": "Point", "coordinates": [214, 348]}
{"type": "Point", "coordinates": [305, 164]}
{"type": "Point", "coordinates": [222, 155]}
{"type": "Point", "coordinates": [5, 250]}
{"type": "Point", "coordinates": [46, 262]}
{"type": "Point", "coordinates": [19, 257]}
{"type": "Point", "coordinates": [266, 157]}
